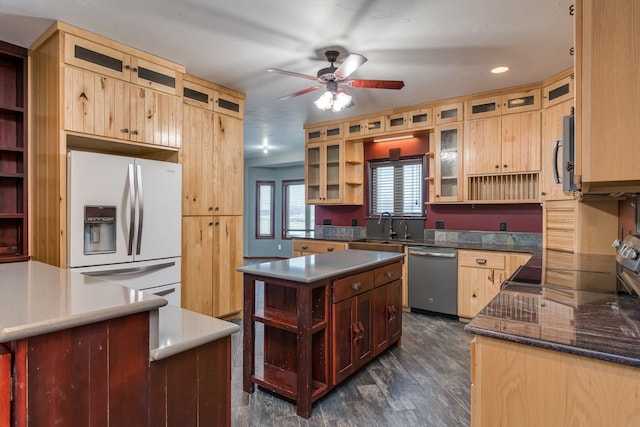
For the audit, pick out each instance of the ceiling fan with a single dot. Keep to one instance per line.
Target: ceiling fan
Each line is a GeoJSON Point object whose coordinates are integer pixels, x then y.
{"type": "Point", "coordinates": [335, 97]}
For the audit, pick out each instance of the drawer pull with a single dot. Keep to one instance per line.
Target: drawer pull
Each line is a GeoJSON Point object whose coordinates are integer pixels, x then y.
{"type": "Point", "coordinates": [481, 261]}
{"type": "Point", "coordinates": [305, 247]}
{"type": "Point", "coordinates": [329, 249]}
{"type": "Point", "coordinates": [389, 274]}
{"type": "Point", "coordinates": [356, 286]}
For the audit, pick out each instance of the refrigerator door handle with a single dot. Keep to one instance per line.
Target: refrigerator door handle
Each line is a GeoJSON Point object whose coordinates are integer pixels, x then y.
{"type": "Point", "coordinates": [141, 209]}
{"type": "Point", "coordinates": [132, 204]}
{"type": "Point", "coordinates": [132, 270]}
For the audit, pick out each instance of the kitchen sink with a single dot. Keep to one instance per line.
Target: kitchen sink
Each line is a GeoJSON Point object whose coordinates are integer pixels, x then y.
{"type": "Point", "coordinates": [379, 245]}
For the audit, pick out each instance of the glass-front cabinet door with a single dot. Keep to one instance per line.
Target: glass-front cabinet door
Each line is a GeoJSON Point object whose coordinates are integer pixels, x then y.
{"type": "Point", "coordinates": [448, 163]}
{"type": "Point", "coordinates": [323, 171]}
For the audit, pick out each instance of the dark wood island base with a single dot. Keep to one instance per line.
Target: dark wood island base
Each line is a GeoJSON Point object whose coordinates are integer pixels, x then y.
{"type": "Point", "coordinates": [318, 329]}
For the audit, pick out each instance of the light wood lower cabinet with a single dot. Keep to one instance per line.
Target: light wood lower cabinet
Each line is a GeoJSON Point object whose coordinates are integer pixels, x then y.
{"type": "Point", "coordinates": [211, 252]}
{"type": "Point", "coordinates": [521, 385]}
{"type": "Point", "coordinates": [302, 247]}
{"type": "Point", "coordinates": [585, 227]}
{"type": "Point", "coordinates": [480, 274]}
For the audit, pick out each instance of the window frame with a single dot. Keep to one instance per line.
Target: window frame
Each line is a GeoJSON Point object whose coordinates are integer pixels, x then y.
{"type": "Point", "coordinates": [272, 185]}
{"type": "Point", "coordinates": [286, 183]}
{"type": "Point", "coordinates": [418, 159]}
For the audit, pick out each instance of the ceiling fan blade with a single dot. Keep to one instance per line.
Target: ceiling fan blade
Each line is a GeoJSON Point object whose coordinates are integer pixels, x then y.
{"type": "Point", "coordinates": [376, 84]}
{"type": "Point", "coordinates": [352, 63]}
{"type": "Point", "coordinates": [300, 92]}
{"type": "Point", "coordinates": [291, 73]}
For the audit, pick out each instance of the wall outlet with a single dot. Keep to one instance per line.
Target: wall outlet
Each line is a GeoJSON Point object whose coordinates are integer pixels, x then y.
{"type": "Point", "coordinates": [503, 226]}
{"type": "Point", "coordinates": [439, 225]}
{"type": "Point", "coordinates": [279, 247]}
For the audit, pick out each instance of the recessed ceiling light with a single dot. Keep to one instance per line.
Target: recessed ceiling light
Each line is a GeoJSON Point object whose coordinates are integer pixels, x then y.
{"type": "Point", "coordinates": [499, 70]}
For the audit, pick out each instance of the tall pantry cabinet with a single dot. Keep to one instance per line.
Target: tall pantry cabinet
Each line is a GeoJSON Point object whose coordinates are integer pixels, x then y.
{"type": "Point", "coordinates": [212, 167]}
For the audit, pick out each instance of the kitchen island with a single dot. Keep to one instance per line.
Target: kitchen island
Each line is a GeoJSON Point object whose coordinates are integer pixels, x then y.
{"type": "Point", "coordinates": [565, 352]}
{"type": "Point", "coordinates": [84, 351]}
{"type": "Point", "coordinates": [321, 318]}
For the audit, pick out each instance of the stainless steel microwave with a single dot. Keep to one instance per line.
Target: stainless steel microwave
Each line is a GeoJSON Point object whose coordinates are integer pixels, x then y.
{"type": "Point", "coordinates": [568, 155]}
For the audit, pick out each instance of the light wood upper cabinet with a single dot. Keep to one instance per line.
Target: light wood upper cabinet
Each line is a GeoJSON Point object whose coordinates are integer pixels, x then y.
{"type": "Point", "coordinates": [483, 107]}
{"type": "Point", "coordinates": [324, 133]}
{"type": "Point", "coordinates": [448, 113]}
{"type": "Point", "coordinates": [557, 92]}
{"type": "Point", "coordinates": [118, 64]}
{"type": "Point", "coordinates": [509, 143]}
{"type": "Point", "coordinates": [204, 95]}
{"type": "Point", "coordinates": [410, 120]}
{"type": "Point", "coordinates": [374, 125]}
{"type": "Point", "coordinates": [212, 163]}
{"type": "Point", "coordinates": [103, 106]}
{"type": "Point", "coordinates": [607, 93]}
{"type": "Point", "coordinates": [519, 102]}
{"type": "Point", "coordinates": [447, 164]}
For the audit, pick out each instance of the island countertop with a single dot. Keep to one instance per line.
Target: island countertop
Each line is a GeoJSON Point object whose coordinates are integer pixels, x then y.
{"type": "Point", "coordinates": [37, 298]}
{"type": "Point", "coordinates": [312, 268]}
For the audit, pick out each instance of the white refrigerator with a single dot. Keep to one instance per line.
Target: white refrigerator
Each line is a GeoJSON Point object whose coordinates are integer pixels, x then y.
{"type": "Point", "coordinates": [124, 221]}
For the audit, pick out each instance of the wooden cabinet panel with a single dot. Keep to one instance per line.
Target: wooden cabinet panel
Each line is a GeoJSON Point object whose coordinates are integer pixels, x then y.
{"type": "Point", "coordinates": [96, 57]}
{"type": "Point", "coordinates": [480, 275]}
{"type": "Point", "coordinates": [558, 91]}
{"type": "Point", "coordinates": [154, 76]}
{"type": "Point", "coordinates": [516, 384]}
{"type": "Point", "coordinates": [448, 113]}
{"type": "Point", "coordinates": [318, 246]}
{"type": "Point", "coordinates": [519, 102]}
{"type": "Point", "coordinates": [211, 252]}
{"type": "Point", "coordinates": [607, 93]}
{"type": "Point", "coordinates": [227, 257]}
{"type": "Point", "coordinates": [351, 286]}
{"type": "Point", "coordinates": [197, 264]}
{"type": "Point", "coordinates": [482, 151]}
{"type": "Point", "coordinates": [5, 387]}
{"type": "Point", "coordinates": [323, 133]}
{"type": "Point", "coordinates": [387, 308]}
{"type": "Point", "coordinates": [228, 164]}
{"type": "Point", "coordinates": [197, 161]}
{"type": "Point", "coordinates": [521, 142]}
{"type": "Point", "coordinates": [447, 164]}
{"type": "Point", "coordinates": [156, 118]}
{"type": "Point", "coordinates": [484, 107]}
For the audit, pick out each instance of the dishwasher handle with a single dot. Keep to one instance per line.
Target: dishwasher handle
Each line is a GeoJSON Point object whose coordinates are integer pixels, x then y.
{"type": "Point", "coordinates": [433, 254]}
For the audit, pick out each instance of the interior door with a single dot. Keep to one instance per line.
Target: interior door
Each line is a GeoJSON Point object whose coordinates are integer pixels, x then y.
{"type": "Point", "coordinates": [158, 225]}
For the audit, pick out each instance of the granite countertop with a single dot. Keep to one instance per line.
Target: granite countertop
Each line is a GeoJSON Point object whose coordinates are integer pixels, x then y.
{"type": "Point", "coordinates": [313, 268]}
{"type": "Point", "coordinates": [181, 330]}
{"type": "Point", "coordinates": [604, 326]}
{"type": "Point", "coordinates": [37, 298]}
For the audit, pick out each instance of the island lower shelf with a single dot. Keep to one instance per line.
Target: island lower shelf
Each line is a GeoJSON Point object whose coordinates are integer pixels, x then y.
{"type": "Point", "coordinates": [309, 333]}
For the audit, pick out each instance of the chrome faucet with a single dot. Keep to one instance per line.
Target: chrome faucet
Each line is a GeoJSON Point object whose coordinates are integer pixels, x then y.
{"type": "Point", "coordinates": [392, 233]}
{"type": "Point", "coordinates": [407, 236]}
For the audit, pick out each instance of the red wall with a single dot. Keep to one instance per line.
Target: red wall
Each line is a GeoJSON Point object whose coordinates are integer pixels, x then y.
{"type": "Point", "coordinates": [519, 217]}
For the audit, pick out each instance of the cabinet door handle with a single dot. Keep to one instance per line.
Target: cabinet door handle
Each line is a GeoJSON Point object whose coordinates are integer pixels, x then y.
{"type": "Point", "coordinates": [135, 132]}
{"type": "Point", "coordinates": [305, 247]}
{"type": "Point", "coordinates": [125, 130]}
{"type": "Point", "coordinates": [481, 261]}
{"type": "Point", "coordinates": [329, 249]}
{"type": "Point", "coordinates": [356, 286]}
{"type": "Point", "coordinates": [389, 274]}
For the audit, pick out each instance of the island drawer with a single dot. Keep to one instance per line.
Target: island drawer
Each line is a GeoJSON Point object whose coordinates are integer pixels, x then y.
{"type": "Point", "coordinates": [353, 285]}
{"type": "Point", "coordinates": [478, 259]}
{"type": "Point", "coordinates": [318, 246]}
{"type": "Point", "coordinates": [387, 274]}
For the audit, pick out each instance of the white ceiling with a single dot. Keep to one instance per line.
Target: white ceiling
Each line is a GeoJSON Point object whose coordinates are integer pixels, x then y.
{"type": "Point", "coordinates": [440, 48]}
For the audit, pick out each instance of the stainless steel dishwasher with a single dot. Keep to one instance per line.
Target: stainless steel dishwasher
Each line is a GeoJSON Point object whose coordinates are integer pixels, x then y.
{"type": "Point", "coordinates": [433, 279]}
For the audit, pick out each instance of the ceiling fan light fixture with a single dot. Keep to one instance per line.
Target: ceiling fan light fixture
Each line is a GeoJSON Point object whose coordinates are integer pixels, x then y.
{"type": "Point", "coordinates": [340, 101]}
{"type": "Point", "coordinates": [325, 102]}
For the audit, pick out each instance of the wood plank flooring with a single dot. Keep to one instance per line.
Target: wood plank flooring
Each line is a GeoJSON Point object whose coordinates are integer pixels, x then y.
{"type": "Point", "coordinates": [424, 382]}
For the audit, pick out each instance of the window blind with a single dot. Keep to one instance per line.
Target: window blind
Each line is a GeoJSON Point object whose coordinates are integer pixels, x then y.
{"type": "Point", "coordinates": [397, 187]}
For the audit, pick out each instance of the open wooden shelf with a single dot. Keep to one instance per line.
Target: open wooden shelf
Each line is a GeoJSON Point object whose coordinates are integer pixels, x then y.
{"type": "Point", "coordinates": [284, 383]}
{"type": "Point", "coordinates": [285, 320]}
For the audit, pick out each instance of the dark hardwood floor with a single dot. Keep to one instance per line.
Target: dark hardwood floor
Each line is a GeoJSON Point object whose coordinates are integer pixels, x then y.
{"type": "Point", "coordinates": [424, 382]}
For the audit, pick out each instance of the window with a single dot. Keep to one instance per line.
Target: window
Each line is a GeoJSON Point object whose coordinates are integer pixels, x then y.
{"type": "Point", "coordinates": [297, 217]}
{"type": "Point", "coordinates": [397, 187]}
{"type": "Point", "coordinates": [264, 209]}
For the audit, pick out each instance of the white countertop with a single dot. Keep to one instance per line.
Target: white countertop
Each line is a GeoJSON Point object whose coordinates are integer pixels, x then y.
{"type": "Point", "coordinates": [182, 330]}
{"type": "Point", "coordinates": [312, 268]}
{"type": "Point", "coordinates": [37, 298]}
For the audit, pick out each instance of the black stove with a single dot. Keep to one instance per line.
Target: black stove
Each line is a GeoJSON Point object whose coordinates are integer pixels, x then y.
{"type": "Point", "coordinates": [628, 262]}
